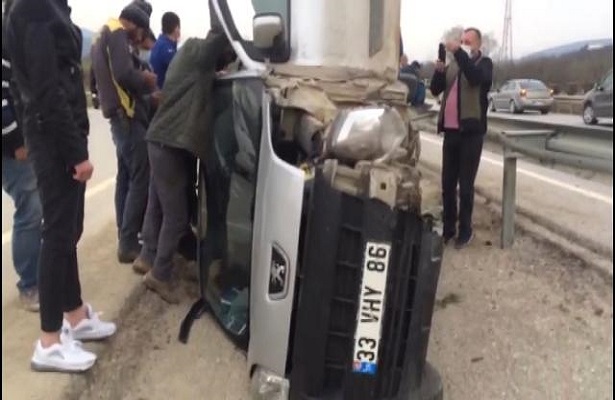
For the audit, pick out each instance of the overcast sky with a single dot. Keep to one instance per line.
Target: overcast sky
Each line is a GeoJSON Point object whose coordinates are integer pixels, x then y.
{"type": "Point", "coordinates": [537, 24]}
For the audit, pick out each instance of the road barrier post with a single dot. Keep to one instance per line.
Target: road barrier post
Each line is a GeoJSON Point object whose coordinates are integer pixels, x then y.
{"type": "Point", "coordinates": [515, 144]}
{"type": "Point", "coordinates": [509, 197]}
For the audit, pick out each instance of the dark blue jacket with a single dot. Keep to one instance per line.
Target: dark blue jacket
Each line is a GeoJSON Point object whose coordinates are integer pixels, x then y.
{"type": "Point", "coordinates": [163, 52]}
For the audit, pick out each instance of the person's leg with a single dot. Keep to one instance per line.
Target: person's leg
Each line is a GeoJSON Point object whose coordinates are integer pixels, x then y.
{"type": "Point", "coordinates": [120, 131]}
{"type": "Point", "coordinates": [72, 294]}
{"type": "Point", "coordinates": [150, 231]}
{"type": "Point", "coordinates": [168, 172]}
{"type": "Point", "coordinates": [82, 321]}
{"type": "Point", "coordinates": [450, 177]}
{"type": "Point", "coordinates": [136, 157]}
{"type": "Point", "coordinates": [471, 150]}
{"type": "Point", "coordinates": [188, 244]}
{"type": "Point", "coordinates": [19, 182]}
{"type": "Point", "coordinates": [59, 201]}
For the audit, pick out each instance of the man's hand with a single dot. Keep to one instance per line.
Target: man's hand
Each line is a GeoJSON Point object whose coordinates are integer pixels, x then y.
{"type": "Point", "coordinates": [440, 66]}
{"type": "Point", "coordinates": [156, 97]}
{"type": "Point", "coordinates": [21, 154]}
{"type": "Point", "coordinates": [453, 45]}
{"type": "Point", "coordinates": [150, 79]}
{"type": "Point", "coordinates": [83, 171]}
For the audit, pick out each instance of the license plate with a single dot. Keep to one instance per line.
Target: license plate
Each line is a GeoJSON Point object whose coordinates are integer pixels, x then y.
{"type": "Point", "coordinates": [371, 308]}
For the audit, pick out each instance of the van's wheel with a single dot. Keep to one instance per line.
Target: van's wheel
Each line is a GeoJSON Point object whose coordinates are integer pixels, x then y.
{"type": "Point", "coordinates": [589, 115]}
{"type": "Point", "coordinates": [431, 385]}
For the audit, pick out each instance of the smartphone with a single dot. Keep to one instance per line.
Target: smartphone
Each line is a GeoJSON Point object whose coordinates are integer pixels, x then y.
{"type": "Point", "coordinates": [441, 52]}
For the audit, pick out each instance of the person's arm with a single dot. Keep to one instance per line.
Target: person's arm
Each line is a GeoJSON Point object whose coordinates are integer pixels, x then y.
{"type": "Point", "coordinates": [438, 83]}
{"type": "Point", "coordinates": [12, 138]}
{"type": "Point", "coordinates": [49, 96]}
{"type": "Point", "coordinates": [210, 50]}
{"type": "Point", "coordinates": [476, 74]}
{"type": "Point", "coordinates": [122, 67]}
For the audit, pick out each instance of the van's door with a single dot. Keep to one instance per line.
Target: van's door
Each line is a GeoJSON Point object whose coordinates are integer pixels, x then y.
{"type": "Point", "coordinates": [227, 189]}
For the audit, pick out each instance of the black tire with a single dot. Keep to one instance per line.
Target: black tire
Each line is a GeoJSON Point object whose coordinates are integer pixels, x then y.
{"type": "Point", "coordinates": [544, 112]}
{"type": "Point", "coordinates": [589, 115]}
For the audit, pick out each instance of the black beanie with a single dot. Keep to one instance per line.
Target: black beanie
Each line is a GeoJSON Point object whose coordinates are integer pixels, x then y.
{"type": "Point", "coordinates": [136, 15]}
{"type": "Point", "coordinates": [143, 5]}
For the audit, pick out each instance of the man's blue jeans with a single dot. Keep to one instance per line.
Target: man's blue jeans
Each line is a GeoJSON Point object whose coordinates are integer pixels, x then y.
{"type": "Point", "coordinates": [19, 182]}
{"type": "Point", "coordinates": [132, 179]}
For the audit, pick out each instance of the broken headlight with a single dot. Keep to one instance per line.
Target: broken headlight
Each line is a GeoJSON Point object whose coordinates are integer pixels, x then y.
{"type": "Point", "coordinates": [370, 134]}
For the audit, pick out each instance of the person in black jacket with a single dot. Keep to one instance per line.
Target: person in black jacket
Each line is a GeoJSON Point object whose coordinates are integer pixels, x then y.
{"type": "Point", "coordinates": [19, 182]}
{"type": "Point", "coordinates": [465, 82]}
{"type": "Point", "coordinates": [45, 49]}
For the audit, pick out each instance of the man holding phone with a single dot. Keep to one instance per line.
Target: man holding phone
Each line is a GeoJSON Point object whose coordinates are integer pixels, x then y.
{"type": "Point", "coordinates": [464, 83]}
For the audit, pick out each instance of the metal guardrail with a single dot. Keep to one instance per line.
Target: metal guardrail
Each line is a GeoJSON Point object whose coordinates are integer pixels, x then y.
{"type": "Point", "coordinates": [534, 144]}
{"type": "Point", "coordinates": [548, 145]}
{"type": "Point", "coordinates": [515, 145]}
{"type": "Point", "coordinates": [579, 146]}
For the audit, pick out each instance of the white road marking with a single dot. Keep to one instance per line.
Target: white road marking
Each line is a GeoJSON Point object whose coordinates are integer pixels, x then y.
{"type": "Point", "coordinates": [89, 193]}
{"type": "Point", "coordinates": [587, 193]}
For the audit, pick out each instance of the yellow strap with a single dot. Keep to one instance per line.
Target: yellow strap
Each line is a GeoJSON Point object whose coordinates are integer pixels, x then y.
{"type": "Point", "coordinates": [126, 100]}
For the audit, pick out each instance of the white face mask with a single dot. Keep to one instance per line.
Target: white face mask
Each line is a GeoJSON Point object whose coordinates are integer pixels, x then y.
{"type": "Point", "coordinates": [467, 49]}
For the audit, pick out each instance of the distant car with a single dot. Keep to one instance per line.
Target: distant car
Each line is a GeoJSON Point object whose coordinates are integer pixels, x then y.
{"type": "Point", "coordinates": [598, 102]}
{"type": "Point", "coordinates": [519, 95]}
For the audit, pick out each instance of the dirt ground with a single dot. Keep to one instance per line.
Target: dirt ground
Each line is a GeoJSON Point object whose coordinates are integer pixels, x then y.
{"type": "Point", "coordinates": [526, 323]}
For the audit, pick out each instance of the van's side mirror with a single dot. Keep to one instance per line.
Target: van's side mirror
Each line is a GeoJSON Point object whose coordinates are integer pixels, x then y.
{"type": "Point", "coordinates": [270, 37]}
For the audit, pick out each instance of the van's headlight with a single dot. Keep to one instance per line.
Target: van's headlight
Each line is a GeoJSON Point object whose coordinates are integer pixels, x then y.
{"type": "Point", "coordinates": [371, 133]}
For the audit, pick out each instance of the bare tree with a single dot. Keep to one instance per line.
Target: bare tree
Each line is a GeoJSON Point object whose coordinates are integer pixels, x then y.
{"type": "Point", "coordinates": [490, 44]}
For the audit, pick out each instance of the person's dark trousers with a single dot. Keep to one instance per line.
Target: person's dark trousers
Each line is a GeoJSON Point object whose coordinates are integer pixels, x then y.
{"type": "Point", "coordinates": [62, 199]}
{"type": "Point", "coordinates": [188, 244]}
{"type": "Point", "coordinates": [166, 218]}
{"type": "Point", "coordinates": [460, 159]}
{"type": "Point", "coordinates": [132, 180]}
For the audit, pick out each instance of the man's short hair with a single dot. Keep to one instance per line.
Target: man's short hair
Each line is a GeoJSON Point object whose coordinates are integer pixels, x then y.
{"type": "Point", "coordinates": [170, 22]}
{"type": "Point", "coordinates": [477, 32]}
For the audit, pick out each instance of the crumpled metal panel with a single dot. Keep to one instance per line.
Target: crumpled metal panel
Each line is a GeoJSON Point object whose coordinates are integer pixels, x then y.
{"type": "Point", "coordinates": [395, 180]}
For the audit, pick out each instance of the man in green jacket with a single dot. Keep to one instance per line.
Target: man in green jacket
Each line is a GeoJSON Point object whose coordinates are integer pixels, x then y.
{"type": "Point", "coordinates": [178, 133]}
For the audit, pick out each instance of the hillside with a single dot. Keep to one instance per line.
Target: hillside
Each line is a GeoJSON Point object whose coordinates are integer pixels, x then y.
{"type": "Point", "coordinates": [571, 73]}
{"type": "Point", "coordinates": [569, 48]}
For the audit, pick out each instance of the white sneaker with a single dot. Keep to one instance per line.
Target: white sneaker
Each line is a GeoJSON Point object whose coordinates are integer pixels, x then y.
{"type": "Point", "coordinates": [91, 327]}
{"type": "Point", "coordinates": [66, 356]}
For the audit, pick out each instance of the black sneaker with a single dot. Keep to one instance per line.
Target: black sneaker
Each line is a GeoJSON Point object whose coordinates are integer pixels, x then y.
{"type": "Point", "coordinates": [463, 241]}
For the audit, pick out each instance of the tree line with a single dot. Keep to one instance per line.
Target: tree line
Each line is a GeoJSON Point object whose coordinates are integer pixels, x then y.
{"type": "Point", "coordinates": [570, 74]}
